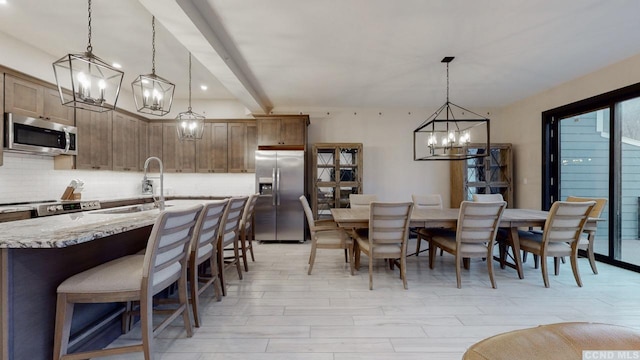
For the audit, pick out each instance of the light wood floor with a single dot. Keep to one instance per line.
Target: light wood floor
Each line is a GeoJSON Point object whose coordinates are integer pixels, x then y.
{"type": "Point", "coordinates": [279, 312]}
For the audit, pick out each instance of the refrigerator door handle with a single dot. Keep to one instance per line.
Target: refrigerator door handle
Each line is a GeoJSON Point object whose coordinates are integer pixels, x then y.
{"type": "Point", "coordinates": [274, 194]}
{"type": "Point", "coordinates": [278, 185]}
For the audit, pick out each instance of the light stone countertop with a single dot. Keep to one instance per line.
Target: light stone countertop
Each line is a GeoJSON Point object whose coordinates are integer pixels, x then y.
{"type": "Point", "coordinates": [75, 228]}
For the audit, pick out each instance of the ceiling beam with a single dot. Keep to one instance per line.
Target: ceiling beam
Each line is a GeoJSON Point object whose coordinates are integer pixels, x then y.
{"type": "Point", "coordinates": [208, 42]}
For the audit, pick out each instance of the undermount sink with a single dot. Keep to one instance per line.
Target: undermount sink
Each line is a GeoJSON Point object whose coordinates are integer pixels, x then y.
{"type": "Point", "coordinates": [128, 209]}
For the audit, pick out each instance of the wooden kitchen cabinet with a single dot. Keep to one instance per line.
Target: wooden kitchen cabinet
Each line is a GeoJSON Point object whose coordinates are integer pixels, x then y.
{"type": "Point", "coordinates": [177, 156]}
{"type": "Point", "coordinates": [94, 140]}
{"type": "Point", "coordinates": [290, 130]}
{"type": "Point", "coordinates": [492, 174]}
{"type": "Point", "coordinates": [242, 146]}
{"type": "Point", "coordinates": [336, 170]}
{"type": "Point", "coordinates": [125, 142]}
{"type": "Point", "coordinates": [2, 112]}
{"type": "Point", "coordinates": [150, 144]}
{"type": "Point", "coordinates": [211, 151]}
{"type": "Point", "coordinates": [31, 99]}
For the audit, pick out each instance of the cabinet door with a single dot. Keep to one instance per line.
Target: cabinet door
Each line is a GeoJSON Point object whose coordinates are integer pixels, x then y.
{"type": "Point", "coordinates": [292, 131]}
{"type": "Point", "coordinates": [211, 151]}
{"type": "Point", "coordinates": [237, 137]}
{"type": "Point", "coordinates": [94, 140]}
{"type": "Point", "coordinates": [1, 112]}
{"type": "Point", "coordinates": [178, 156]}
{"type": "Point", "coordinates": [23, 97]}
{"type": "Point", "coordinates": [143, 143]}
{"type": "Point", "coordinates": [269, 132]}
{"type": "Point", "coordinates": [125, 142]}
{"type": "Point", "coordinates": [155, 138]}
{"type": "Point", "coordinates": [250, 148]}
{"type": "Point", "coordinates": [52, 108]}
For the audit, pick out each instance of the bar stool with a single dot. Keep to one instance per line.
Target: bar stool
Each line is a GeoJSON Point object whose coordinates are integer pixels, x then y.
{"type": "Point", "coordinates": [247, 232]}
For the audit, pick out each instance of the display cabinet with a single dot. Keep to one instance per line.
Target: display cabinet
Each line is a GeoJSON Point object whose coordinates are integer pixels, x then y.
{"type": "Point", "coordinates": [491, 174]}
{"type": "Point", "coordinates": [336, 173]}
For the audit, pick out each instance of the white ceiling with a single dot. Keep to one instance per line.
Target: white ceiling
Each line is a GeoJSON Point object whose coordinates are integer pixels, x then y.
{"type": "Point", "coordinates": [309, 54]}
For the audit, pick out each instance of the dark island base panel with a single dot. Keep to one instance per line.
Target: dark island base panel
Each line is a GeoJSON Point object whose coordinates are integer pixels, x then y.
{"type": "Point", "coordinates": [34, 275]}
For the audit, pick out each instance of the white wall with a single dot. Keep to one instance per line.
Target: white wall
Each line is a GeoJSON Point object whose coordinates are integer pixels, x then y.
{"type": "Point", "coordinates": [521, 123]}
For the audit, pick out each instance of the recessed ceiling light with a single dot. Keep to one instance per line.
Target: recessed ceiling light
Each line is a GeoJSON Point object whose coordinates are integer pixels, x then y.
{"type": "Point", "coordinates": [203, 87]}
{"type": "Point", "coordinates": [115, 65]}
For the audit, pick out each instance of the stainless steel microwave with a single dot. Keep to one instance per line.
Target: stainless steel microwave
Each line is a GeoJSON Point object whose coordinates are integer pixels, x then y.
{"type": "Point", "coordinates": [38, 136]}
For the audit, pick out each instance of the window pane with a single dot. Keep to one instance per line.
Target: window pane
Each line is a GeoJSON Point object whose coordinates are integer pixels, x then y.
{"type": "Point", "coordinates": [584, 163]}
{"type": "Point", "coordinates": [630, 125]}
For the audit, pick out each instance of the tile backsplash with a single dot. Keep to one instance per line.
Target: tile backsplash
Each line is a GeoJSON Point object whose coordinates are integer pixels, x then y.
{"type": "Point", "coordinates": [25, 177]}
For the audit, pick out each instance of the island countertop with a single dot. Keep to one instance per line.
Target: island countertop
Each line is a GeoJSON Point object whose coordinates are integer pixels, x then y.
{"type": "Point", "coordinates": [64, 230]}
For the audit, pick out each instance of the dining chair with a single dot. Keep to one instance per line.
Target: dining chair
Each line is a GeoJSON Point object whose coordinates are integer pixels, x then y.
{"type": "Point", "coordinates": [560, 236]}
{"type": "Point", "coordinates": [204, 249]}
{"type": "Point", "coordinates": [588, 243]}
{"type": "Point", "coordinates": [325, 234]}
{"type": "Point", "coordinates": [229, 239]}
{"type": "Point", "coordinates": [487, 197]}
{"type": "Point", "coordinates": [473, 237]}
{"type": "Point", "coordinates": [357, 201]}
{"type": "Point", "coordinates": [386, 238]}
{"type": "Point", "coordinates": [247, 231]}
{"type": "Point", "coordinates": [432, 201]}
{"type": "Point", "coordinates": [133, 278]}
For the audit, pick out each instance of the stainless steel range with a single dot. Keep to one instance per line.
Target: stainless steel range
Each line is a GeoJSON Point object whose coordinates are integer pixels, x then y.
{"type": "Point", "coordinates": [63, 207]}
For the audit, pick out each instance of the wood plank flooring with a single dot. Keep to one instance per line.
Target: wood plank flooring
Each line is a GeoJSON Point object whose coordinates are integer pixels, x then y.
{"type": "Point", "coordinates": [278, 312]}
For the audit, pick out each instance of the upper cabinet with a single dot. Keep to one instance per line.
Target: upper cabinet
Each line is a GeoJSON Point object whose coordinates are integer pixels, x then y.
{"type": "Point", "coordinates": [94, 140]}
{"type": "Point", "coordinates": [290, 130]}
{"type": "Point", "coordinates": [35, 100]}
{"type": "Point", "coordinates": [242, 147]}
{"type": "Point", "coordinates": [177, 156]}
{"type": "Point", "coordinates": [211, 151]}
{"type": "Point", "coordinates": [125, 142]}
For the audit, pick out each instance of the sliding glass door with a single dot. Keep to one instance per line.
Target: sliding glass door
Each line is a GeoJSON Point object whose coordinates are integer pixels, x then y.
{"type": "Point", "coordinates": [591, 148]}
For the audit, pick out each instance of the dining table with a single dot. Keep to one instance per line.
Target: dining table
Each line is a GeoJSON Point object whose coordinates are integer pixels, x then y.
{"type": "Point", "coordinates": [512, 219]}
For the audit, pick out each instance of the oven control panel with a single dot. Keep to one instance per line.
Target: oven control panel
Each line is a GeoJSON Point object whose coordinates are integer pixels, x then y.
{"type": "Point", "coordinates": [66, 207]}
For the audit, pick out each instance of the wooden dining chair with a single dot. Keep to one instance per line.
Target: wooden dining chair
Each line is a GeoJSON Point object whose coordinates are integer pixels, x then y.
{"type": "Point", "coordinates": [357, 201]}
{"type": "Point", "coordinates": [204, 250]}
{"type": "Point", "coordinates": [133, 278]}
{"type": "Point", "coordinates": [386, 238]}
{"type": "Point", "coordinates": [325, 234]}
{"type": "Point", "coordinates": [247, 231]}
{"type": "Point", "coordinates": [587, 243]}
{"type": "Point", "coordinates": [473, 238]}
{"type": "Point", "coordinates": [229, 239]}
{"type": "Point", "coordinates": [560, 236]}
{"type": "Point", "coordinates": [431, 201]}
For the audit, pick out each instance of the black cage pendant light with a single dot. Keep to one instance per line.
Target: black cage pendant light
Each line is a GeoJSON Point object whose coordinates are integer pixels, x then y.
{"type": "Point", "coordinates": [443, 136]}
{"type": "Point", "coordinates": [152, 93]}
{"type": "Point", "coordinates": [93, 83]}
{"type": "Point", "coordinates": [190, 126]}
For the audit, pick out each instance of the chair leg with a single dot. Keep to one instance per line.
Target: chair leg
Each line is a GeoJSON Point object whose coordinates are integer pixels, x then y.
{"type": "Point", "coordinates": [252, 235]}
{"type": "Point", "coordinates": [556, 266]}
{"type": "Point", "coordinates": [536, 261]}
{"type": "Point", "coordinates": [458, 277]}
{"type": "Point", "coordinates": [146, 324]}
{"type": "Point", "coordinates": [490, 269]}
{"type": "Point", "coordinates": [192, 273]}
{"type": "Point", "coordinates": [346, 256]}
{"type": "Point", "coordinates": [432, 254]}
{"type": "Point", "coordinates": [574, 267]}
{"type": "Point", "coordinates": [349, 250]}
{"type": "Point", "coordinates": [312, 256]}
{"type": "Point", "coordinates": [236, 257]}
{"type": "Point", "coordinates": [64, 314]}
{"type": "Point", "coordinates": [524, 256]}
{"type": "Point", "coordinates": [243, 243]}
{"type": "Point", "coordinates": [545, 275]}
{"type": "Point", "coordinates": [466, 262]}
{"type": "Point", "coordinates": [223, 285]}
{"type": "Point", "coordinates": [370, 271]}
{"type": "Point", "coordinates": [184, 303]}
{"type": "Point", "coordinates": [418, 241]}
{"type": "Point", "coordinates": [590, 254]}
{"type": "Point", "coordinates": [403, 270]}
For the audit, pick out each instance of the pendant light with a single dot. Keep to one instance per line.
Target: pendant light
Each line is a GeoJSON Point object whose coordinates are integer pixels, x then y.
{"type": "Point", "coordinates": [443, 136]}
{"type": "Point", "coordinates": [152, 93]}
{"type": "Point", "coordinates": [94, 84]}
{"type": "Point", "coordinates": [190, 125]}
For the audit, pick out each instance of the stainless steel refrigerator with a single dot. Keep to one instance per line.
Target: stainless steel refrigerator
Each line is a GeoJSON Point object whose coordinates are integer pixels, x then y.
{"type": "Point", "coordinates": [280, 182]}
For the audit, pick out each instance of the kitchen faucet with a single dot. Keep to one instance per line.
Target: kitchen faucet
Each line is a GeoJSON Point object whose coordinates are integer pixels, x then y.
{"type": "Point", "coordinates": [146, 166]}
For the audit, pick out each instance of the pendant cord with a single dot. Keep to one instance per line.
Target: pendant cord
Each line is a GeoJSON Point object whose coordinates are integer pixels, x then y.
{"type": "Point", "coordinates": [189, 81]}
{"type": "Point", "coordinates": [447, 82]}
{"type": "Point", "coordinates": [89, 47]}
{"type": "Point", "coordinates": [153, 45]}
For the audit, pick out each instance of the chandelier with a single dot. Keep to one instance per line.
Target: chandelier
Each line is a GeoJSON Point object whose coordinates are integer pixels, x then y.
{"type": "Point", "coordinates": [190, 126]}
{"type": "Point", "coordinates": [443, 136]}
{"type": "Point", "coordinates": [94, 84]}
{"type": "Point", "coordinates": [152, 93]}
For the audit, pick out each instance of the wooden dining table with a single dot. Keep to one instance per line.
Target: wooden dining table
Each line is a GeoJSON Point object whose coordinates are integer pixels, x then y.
{"type": "Point", "coordinates": [512, 219]}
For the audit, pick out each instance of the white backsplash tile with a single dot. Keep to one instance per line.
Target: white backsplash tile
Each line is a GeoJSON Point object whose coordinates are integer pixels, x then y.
{"type": "Point", "coordinates": [25, 177]}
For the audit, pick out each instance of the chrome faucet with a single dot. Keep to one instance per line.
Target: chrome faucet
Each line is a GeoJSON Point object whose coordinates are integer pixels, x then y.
{"type": "Point", "coordinates": [146, 166]}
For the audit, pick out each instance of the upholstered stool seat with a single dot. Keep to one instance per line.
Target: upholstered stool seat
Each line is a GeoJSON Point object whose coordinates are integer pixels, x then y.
{"type": "Point", "coordinates": [561, 341]}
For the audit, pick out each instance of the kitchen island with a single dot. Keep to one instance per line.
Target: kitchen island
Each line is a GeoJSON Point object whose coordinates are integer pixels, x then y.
{"type": "Point", "coordinates": [36, 255]}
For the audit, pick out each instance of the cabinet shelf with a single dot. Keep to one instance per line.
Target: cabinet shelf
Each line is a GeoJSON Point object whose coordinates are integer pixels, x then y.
{"type": "Point", "coordinates": [336, 173]}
